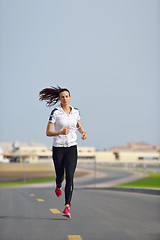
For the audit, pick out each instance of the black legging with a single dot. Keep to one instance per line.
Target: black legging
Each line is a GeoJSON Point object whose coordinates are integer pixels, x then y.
{"type": "Point", "coordinates": [65, 158]}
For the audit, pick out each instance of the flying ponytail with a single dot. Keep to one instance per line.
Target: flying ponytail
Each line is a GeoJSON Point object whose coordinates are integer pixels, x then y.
{"type": "Point", "coordinates": [51, 95]}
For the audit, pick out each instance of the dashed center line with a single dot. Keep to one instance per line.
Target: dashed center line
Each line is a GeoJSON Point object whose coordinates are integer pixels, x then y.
{"type": "Point", "coordinates": [40, 200]}
{"type": "Point", "coordinates": [74, 237]}
{"type": "Point", "coordinates": [55, 211]}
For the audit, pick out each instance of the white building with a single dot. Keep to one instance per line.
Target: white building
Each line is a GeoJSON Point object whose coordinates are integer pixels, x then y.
{"type": "Point", "coordinates": [1, 155]}
{"type": "Point", "coordinates": [30, 154]}
{"type": "Point", "coordinates": [43, 154]}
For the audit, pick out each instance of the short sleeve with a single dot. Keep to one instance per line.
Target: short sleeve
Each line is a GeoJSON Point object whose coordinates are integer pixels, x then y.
{"type": "Point", "coordinates": [52, 117]}
{"type": "Point", "coordinates": [77, 114]}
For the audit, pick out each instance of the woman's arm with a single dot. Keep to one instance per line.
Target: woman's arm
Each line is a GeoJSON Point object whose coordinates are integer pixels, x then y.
{"type": "Point", "coordinates": [81, 130]}
{"type": "Point", "coordinates": [51, 133]}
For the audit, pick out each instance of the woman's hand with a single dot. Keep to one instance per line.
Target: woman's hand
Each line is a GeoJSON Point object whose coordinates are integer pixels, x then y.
{"type": "Point", "coordinates": [84, 136]}
{"type": "Point", "coordinates": [65, 131]}
{"type": "Point", "coordinates": [81, 130]}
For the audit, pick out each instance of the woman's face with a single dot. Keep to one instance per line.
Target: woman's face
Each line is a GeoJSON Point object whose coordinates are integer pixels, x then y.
{"type": "Point", "coordinates": [64, 98]}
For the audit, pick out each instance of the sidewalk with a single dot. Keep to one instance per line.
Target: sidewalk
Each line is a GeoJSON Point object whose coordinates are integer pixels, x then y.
{"type": "Point", "coordinates": [106, 185]}
{"type": "Point", "coordinates": [99, 174]}
{"type": "Point", "coordinates": [109, 185]}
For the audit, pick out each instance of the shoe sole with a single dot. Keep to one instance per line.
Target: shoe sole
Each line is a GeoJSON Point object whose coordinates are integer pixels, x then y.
{"type": "Point", "coordinates": [67, 215]}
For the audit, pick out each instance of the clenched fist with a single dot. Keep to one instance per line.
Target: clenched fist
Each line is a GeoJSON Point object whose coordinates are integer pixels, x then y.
{"type": "Point", "coordinates": [65, 131]}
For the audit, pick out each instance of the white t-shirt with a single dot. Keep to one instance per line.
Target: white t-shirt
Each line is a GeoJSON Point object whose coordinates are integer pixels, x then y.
{"type": "Point", "coordinates": [61, 120]}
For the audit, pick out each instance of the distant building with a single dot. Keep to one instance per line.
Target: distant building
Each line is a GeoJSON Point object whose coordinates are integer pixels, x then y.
{"type": "Point", "coordinates": [86, 153]}
{"type": "Point", "coordinates": [39, 154]}
{"type": "Point", "coordinates": [30, 154]}
{"type": "Point", "coordinates": [1, 155]}
{"type": "Point", "coordinates": [158, 147]}
{"type": "Point", "coordinates": [139, 146]}
{"type": "Point", "coordinates": [130, 153]}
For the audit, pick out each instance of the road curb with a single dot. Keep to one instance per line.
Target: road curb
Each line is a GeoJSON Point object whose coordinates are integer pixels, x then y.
{"type": "Point", "coordinates": [151, 191]}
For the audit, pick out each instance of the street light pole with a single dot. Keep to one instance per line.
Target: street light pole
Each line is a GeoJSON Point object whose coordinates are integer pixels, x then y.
{"type": "Point", "coordinates": [95, 169]}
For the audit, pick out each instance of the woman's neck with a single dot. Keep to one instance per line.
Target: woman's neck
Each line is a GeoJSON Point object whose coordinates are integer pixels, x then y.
{"type": "Point", "coordinates": [66, 108]}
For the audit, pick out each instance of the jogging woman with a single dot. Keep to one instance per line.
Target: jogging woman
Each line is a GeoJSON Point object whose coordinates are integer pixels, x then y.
{"type": "Point", "coordinates": [65, 120]}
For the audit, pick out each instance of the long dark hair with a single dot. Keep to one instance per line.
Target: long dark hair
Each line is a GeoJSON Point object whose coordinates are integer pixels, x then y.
{"type": "Point", "coordinates": [51, 95]}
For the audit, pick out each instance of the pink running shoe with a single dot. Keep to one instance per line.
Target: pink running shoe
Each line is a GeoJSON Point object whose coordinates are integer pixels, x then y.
{"type": "Point", "coordinates": [58, 191]}
{"type": "Point", "coordinates": [66, 212]}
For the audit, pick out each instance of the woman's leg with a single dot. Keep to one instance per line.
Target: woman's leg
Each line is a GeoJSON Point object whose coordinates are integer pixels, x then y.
{"type": "Point", "coordinates": [58, 159]}
{"type": "Point", "coordinates": [70, 164]}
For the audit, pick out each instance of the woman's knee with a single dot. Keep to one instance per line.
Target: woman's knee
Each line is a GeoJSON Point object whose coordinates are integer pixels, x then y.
{"type": "Point", "coordinates": [69, 179]}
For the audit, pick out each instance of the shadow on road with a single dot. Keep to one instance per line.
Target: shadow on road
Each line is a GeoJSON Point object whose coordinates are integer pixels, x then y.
{"type": "Point", "coordinates": [29, 218]}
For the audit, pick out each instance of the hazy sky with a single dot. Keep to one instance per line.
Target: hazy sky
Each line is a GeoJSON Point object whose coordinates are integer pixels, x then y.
{"type": "Point", "coordinates": [106, 52]}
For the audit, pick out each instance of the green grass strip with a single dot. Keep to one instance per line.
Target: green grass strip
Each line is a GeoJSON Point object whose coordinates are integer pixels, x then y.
{"type": "Point", "coordinates": [30, 181]}
{"type": "Point", "coordinates": [152, 181]}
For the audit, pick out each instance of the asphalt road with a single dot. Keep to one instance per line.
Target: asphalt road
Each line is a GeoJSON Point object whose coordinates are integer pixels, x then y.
{"type": "Point", "coordinates": [96, 215]}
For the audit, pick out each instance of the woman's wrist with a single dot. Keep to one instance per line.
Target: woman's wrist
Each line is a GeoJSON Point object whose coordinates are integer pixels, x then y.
{"type": "Point", "coordinates": [83, 132]}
